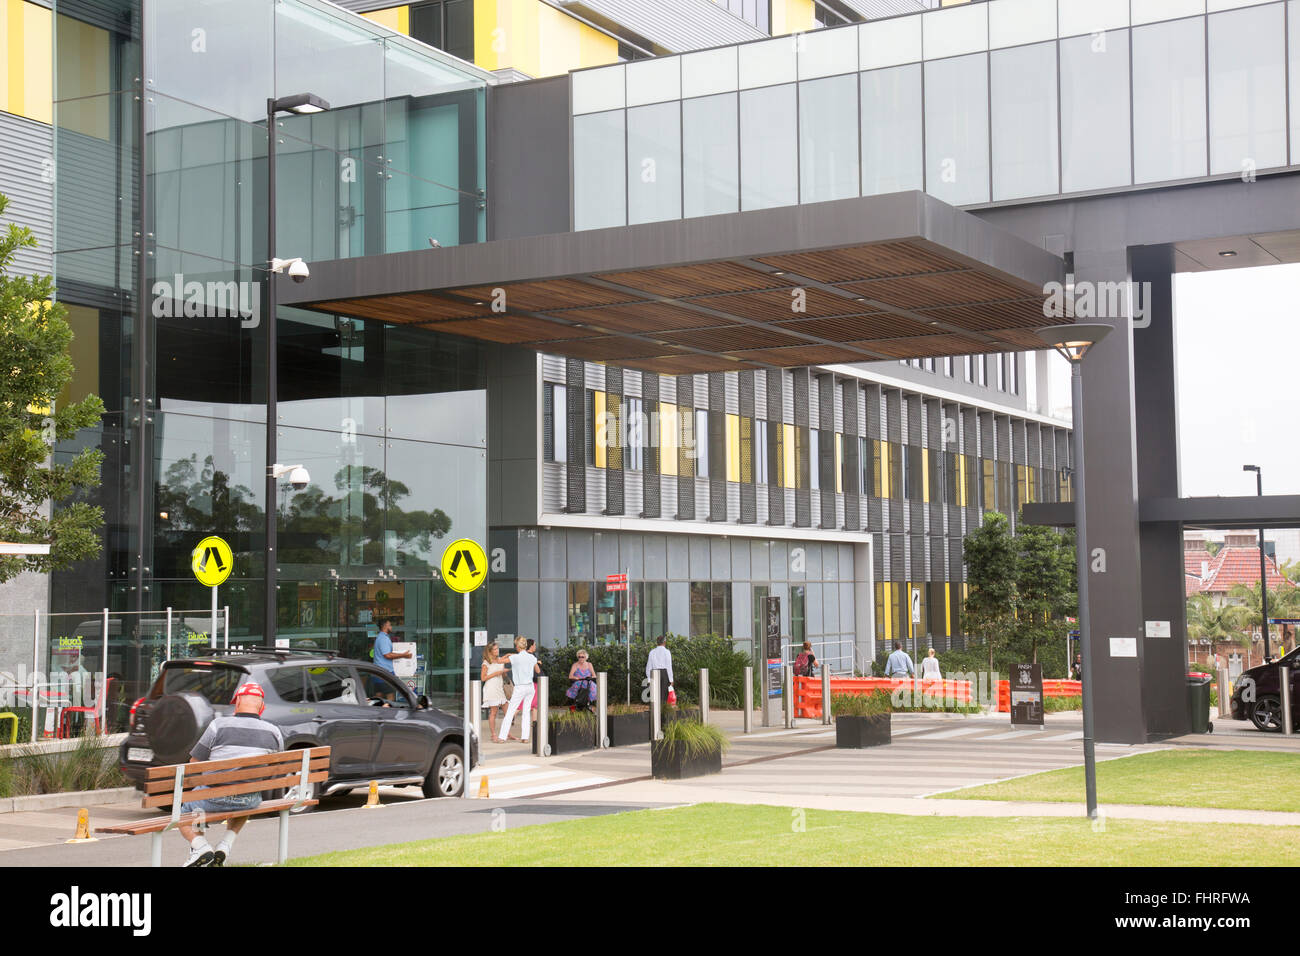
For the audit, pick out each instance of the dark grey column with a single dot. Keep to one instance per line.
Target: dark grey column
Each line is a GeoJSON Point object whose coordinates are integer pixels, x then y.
{"type": "Point", "coordinates": [717, 439]}
{"type": "Point", "coordinates": [775, 417]}
{"type": "Point", "coordinates": [875, 506]}
{"type": "Point", "coordinates": [893, 402]}
{"type": "Point", "coordinates": [614, 440]}
{"type": "Point", "coordinates": [802, 466]}
{"type": "Point", "coordinates": [575, 391]}
{"type": "Point", "coordinates": [853, 489]}
{"type": "Point", "coordinates": [1111, 515]}
{"type": "Point", "coordinates": [512, 438]}
{"type": "Point", "coordinates": [651, 497]}
{"type": "Point", "coordinates": [685, 451]}
{"type": "Point", "coordinates": [1164, 660]}
{"type": "Point", "coordinates": [826, 447]}
{"type": "Point", "coordinates": [749, 451]}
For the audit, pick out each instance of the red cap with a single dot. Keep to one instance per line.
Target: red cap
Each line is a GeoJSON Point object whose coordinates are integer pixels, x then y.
{"type": "Point", "coordinates": [250, 689]}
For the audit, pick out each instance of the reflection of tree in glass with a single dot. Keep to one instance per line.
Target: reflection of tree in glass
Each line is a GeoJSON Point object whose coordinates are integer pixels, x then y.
{"type": "Point", "coordinates": [195, 500]}
{"type": "Point", "coordinates": [353, 527]}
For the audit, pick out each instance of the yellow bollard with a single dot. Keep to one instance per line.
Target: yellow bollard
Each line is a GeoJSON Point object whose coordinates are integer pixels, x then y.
{"type": "Point", "coordinates": [483, 788]}
{"type": "Point", "coordinates": [372, 802]}
{"type": "Point", "coordinates": [83, 828]}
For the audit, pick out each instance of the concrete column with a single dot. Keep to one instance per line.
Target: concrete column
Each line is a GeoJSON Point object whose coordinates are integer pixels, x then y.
{"type": "Point", "coordinates": [1110, 452]}
{"type": "Point", "coordinates": [1164, 660]}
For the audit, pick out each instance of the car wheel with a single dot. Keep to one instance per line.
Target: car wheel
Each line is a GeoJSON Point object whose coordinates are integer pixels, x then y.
{"type": "Point", "coordinates": [447, 777]}
{"type": "Point", "coordinates": [1266, 715]}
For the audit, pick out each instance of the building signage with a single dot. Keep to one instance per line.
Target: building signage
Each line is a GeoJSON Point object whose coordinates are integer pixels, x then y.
{"type": "Point", "coordinates": [1123, 647]}
{"type": "Point", "coordinates": [1158, 629]}
{"type": "Point", "coordinates": [616, 582]}
{"type": "Point", "coordinates": [772, 644]}
{"type": "Point", "coordinates": [1027, 694]}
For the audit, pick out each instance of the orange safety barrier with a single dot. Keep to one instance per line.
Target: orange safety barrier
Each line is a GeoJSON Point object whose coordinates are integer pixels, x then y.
{"type": "Point", "coordinates": [1051, 688]}
{"type": "Point", "coordinates": [808, 690]}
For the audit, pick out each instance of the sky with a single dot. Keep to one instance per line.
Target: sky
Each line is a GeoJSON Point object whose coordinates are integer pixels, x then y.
{"type": "Point", "coordinates": [1238, 353]}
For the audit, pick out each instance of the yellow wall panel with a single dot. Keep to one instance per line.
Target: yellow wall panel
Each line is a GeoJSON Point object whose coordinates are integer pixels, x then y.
{"type": "Point", "coordinates": [90, 70]}
{"type": "Point", "coordinates": [397, 19]}
{"type": "Point", "coordinates": [667, 438]}
{"type": "Point", "coordinates": [26, 71]}
{"type": "Point", "coordinates": [791, 16]}
{"type": "Point", "coordinates": [733, 448]}
{"type": "Point", "coordinates": [839, 463]}
{"type": "Point", "coordinates": [601, 438]}
{"type": "Point", "coordinates": [788, 473]}
{"type": "Point", "coordinates": [537, 39]}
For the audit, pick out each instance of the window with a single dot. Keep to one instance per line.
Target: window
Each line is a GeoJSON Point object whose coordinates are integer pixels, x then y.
{"type": "Point", "coordinates": [376, 686]}
{"type": "Point", "coordinates": [867, 461]}
{"type": "Point", "coordinates": [1247, 66]}
{"type": "Point", "coordinates": [934, 460]}
{"type": "Point", "coordinates": [649, 609]}
{"type": "Point", "coordinates": [446, 24]}
{"type": "Point", "coordinates": [288, 684]}
{"type": "Point", "coordinates": [1013, 374]}
{"type": "Point", "coordinates": [1095, 111]}
{"type": "Point", "coordinates": [761, 463]}
{"type": "Point", "coordinates": [635, 430]}
{"type": "Point", "coordinates": [913, 473]}
{"type": "Point", "coordinates": [929, 364]}
{"type": "Point", "coordinates": [1169, 100]}
{"type": "Point", "coordinates": [950, 478]}
{"type": "Point", "coordinates": [710, 608]}
{"type": "Point", "coordinates": [999, 361]}
{"type": "Point", "coordinates": [710, 141]}
{"type": "Point", "coordinates": [828, 138]}
{"type": "Point", "coordinates": [769, 144]}
{"type": "Point", "coordinates": [957, 129]}
{"type": "Point", "coordinates": [947, 365]}
{"type": "Point", "coordinates": [332, 685]}
{"type": "Point", "coordinates": [1023, 94]}
{"type": "Point", "coordinates": [988, 485]}
{"type": "Point", "coordinates": [654, 164]}
{"type": "Point", "coordinates": [896, 485]}
{"type": "Point", "coordinates": [589, 425]}
{"type": "Point", "coordinates": [798, 614]}
{"type": "Point", "coordinates": [579, 612]}
{"type": "Point", "coordinates": [814, 456]}
{"type": "Point", "coordinates": [1005, 503]}
{"type": "Point", "coordinates": [755, 12]}
{"type": "Point", "coordinates": [891, 118]}
{"type": "Point", "coordinates": [554, 430]}
{"type": "Point", "coordinates": [702, 443]}
{"type": "Point", "coordinates": [981, 369]}
{"type": "Point", "coordinates": [970, 367]}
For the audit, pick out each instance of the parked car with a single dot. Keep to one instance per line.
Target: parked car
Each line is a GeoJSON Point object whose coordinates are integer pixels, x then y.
{"type": "Point", "coordinates": [1257, 694]}
{"type": "Point", "coordinates": [375, 727]}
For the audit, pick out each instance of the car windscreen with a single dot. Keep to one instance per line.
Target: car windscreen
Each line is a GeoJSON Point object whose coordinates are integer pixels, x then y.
{"type": "Point", "coordinates": [214, 682]}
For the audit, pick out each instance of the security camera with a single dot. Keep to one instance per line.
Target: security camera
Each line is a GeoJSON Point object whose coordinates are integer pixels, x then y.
{"type": "Point", "coordinates": [299, 272]}
{"type": "Point", "coordinates": [299, 478]}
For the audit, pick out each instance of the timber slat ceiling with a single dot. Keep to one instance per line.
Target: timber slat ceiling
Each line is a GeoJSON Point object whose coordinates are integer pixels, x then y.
{"type": "Point", "coordinates": [889, 299]}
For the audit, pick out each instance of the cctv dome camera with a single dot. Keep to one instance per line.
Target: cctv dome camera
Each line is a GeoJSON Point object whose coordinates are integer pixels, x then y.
{"type": "Point", "coordinates": [299, 478]}
{"type": "Point", "coordinates": [298, 271]}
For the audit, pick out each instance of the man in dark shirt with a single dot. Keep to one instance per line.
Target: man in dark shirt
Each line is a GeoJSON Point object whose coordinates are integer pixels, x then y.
{"type": "Point", "coordinates": [243, 734]}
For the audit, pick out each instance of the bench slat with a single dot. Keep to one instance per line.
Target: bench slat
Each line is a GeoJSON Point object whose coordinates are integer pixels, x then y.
{"type": "Point", "coordinates": [168, 771]}
{"type": "Point", "coordinates": [154, 826]}
{"type": "Point", "coordinates": [214, 778]}
{"type": "Point", "coordinates": [283, 781]}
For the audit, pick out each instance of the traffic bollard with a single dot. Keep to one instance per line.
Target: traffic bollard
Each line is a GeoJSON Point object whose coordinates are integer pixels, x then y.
{"type": "Point", "coordinates": [1225, 694]}
{"type": "Point", "coordinates": [749, 701]}
{"type": "Point", "coordinates": [543, 717]}
{"type": "Point", "coordinates": [826, 694]}
{"type": "Point", "coordinates": [787, 695]}
{"type": "Point", "coordinates": [1284, 674]}
{"type": "Point", "coordinates": [704, 695]}
{"type": "Point", "coordinates": [602, 710]}
{"type": "Point", "coordinates": [656, 708]}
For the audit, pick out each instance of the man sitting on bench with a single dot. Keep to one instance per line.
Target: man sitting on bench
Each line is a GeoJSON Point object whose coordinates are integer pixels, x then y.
{"type": "Point", "coordinates": [243, 734]}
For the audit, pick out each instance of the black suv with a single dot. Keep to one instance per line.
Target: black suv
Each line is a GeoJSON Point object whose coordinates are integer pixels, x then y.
{"type": "Point", "coordinates": [375, 728]}
{"type": "Point", "coordinates": [1257, 694]}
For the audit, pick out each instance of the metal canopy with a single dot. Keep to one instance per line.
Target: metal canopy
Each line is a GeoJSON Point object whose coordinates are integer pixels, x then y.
{"type": "Point", "coordinates": [1215, 513]}
{"type": "Point", "coordinates": [881, 277]}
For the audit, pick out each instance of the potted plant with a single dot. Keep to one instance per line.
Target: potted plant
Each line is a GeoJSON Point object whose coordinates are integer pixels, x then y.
{"type": "Point", "coordinates": [627, 724]}
{"type": "Point", "coordinates": [861, 720]}
{"type": "Point", "coordinates": [689, 748]}
{"type": "Point", "coordinates": [569, 731]}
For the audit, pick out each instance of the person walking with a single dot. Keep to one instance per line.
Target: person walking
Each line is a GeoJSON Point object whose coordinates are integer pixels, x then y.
{"type": "Point", "coordinates": [242, 734]}
{"type": "Point", "coordinates": [492, 673]}
{"type": "Point", "coordinates": [1076, 671]}
{"type": "Point", "coordinates": [805, 665]}
{"type": "Point", "coordinates": [531, 647]}
{"type": "Point", "coordinates": [660, 658]}
{"type": "Point", "coordinates": [523, 667]}
{"type": "Point", "coordinates": [899, 663]}
{"type": "Point", "coordinates": [930, 667]}
{"type": "Point", "coordinates": [384, 654]}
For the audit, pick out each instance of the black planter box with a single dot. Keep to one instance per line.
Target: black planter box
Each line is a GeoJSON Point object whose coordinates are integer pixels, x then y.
{"type": "Point", "coordinates": [680, 713]}
{"type": "Point", "coordinates": [668, 761]}
{"type": "Point", "coordinates": [626, 729]}
{"type": "Point", "coordinates": [856, 733]}
{"type": "Point", "coordinates": [566, 740]}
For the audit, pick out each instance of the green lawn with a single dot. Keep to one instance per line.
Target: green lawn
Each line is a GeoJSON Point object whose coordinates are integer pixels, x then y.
{"type": "Point", "coordinates": [1228, 779]}
{"type": "Point", "coordinates": [734, 835]}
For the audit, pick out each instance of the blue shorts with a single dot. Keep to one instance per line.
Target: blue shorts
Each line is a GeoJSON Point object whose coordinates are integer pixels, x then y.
{"type": "Point", "coordinates": [238, 801]}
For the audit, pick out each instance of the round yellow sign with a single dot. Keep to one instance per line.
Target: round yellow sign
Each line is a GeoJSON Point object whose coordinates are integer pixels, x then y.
{"type": "Point", "coordinates": [464, 565]}
{"type": "Point", "coordinates": [212, 561]}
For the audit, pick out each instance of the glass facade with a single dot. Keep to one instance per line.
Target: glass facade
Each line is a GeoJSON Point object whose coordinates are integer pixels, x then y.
{"type": "Point", "coordinates": [995, 101]}
{"type": "Point", "coordinates": [161, 204]}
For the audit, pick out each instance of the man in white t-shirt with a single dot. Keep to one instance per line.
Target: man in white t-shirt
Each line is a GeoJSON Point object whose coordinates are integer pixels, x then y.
{"type": "Point", "coordinates": [523, 668]}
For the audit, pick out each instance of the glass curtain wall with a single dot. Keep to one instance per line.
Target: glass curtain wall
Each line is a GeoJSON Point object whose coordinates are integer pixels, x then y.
{"type": "Point", "coordinates": [161, 204]}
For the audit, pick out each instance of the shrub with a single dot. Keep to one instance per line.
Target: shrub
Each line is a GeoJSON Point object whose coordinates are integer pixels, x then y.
{"type": "Point", "coordinates": [89, 766]}
{"type": "Point", "coordinates": [624, 710]}
{"type": "Point", "coordinates": [696, 738]}
{"type": "Point", "coordinates": [565, 719]}
{"type": "Point", "coordinates": [1052, 705]}
{"type": "Point", "coordinates": [861, 705]}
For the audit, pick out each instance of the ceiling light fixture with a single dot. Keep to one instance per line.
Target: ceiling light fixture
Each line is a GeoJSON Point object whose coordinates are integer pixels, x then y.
{"type": "Point", "coordinates": [1228, 253]}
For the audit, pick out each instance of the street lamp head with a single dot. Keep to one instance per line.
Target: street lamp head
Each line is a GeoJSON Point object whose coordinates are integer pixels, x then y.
{"type": "Point", "coordinates": [300, 103]}
{"type": "Point", "coordinates": [1250, 467]}
{"type": "Point", "coordinates": [1073, 341]}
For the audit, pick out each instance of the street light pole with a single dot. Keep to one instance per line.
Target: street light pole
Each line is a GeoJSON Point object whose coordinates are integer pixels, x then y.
{"type": "Point", "coordinates": [1263, 574]}
{"type": "Point", "coordinates": [1073, 342]}
{"type": "Point", "coordinates": [300, 103]}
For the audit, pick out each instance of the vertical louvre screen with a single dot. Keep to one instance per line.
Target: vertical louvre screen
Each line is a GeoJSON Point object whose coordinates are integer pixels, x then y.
{"type": "Point", "coordinates": [775, 472]}
{"type": "Point", "coordinates": [826, 448]}
{"type": "Point", "coordinates": [803, 468]}
{"type": "Point", "coordinates": [652, 486]}
{"type": "Point", "coordinates": [686, 448]}
{"type": "Point", "coordinates": [717, 446]}
{"type": "Point", "coordinates": [614, 431]}
{"type": "Point", "coordinates": [576, 445]}
{"type": "Point", "coordinates": [748, 492]}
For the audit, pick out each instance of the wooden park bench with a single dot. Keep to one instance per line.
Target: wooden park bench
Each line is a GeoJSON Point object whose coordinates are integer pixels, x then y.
{"type": "Point", "coordinates": [191, 782]}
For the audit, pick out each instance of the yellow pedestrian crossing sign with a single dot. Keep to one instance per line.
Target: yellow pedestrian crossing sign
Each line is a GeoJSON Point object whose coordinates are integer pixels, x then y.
{"type": "Point", "coordinates": [212, 561]}
{"type": "Point", "coordinates": [464, 565]}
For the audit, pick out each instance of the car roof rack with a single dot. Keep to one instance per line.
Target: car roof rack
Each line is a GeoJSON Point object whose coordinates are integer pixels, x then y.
{"type": "Point", "coordinates": [283, 653]}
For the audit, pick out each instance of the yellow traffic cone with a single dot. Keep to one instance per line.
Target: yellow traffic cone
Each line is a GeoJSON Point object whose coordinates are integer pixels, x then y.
{"type": "Point", "coordinates": [372, 802]}
{"type": "Point", "coordinates": [83, 828]}
{"type": "Point", "coordinates": [483, 788]}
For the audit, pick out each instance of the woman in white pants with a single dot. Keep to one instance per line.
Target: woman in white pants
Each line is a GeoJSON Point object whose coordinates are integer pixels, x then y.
{"type": "Point", "coordinates": [523, 667]}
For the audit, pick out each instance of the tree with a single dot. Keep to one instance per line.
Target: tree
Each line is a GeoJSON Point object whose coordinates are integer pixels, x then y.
{"type": "Point", "coordinates": [35, 368]}
{"type": "Point", "coordinates": [1045, 584]}
{"type": "Point", "coordinates": [1208, 621]}
{"type": "Point", "coordinates": [992, 599]}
